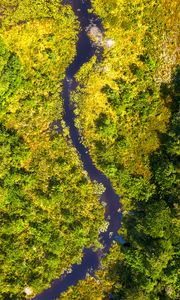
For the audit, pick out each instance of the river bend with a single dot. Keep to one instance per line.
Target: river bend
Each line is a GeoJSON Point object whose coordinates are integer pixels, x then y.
{"type": "Point", "coordinates": [91, 260]}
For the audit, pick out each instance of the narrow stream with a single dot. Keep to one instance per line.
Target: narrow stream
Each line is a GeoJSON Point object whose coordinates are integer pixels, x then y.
{"type": "Point", "coordinates": [91, 260]}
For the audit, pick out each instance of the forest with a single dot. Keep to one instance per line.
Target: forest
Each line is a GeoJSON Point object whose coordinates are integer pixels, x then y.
{"type": "Point", "coordinates": [127, 112]}
{"type": "Point", "coordinates": [49, 208]}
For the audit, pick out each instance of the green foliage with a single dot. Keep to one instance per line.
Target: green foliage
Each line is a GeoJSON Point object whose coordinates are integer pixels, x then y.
{"type": "Point", "coordinates": [127, 111]}
{"type": "Point", "coordinates": [88, 289]}
{"type": "Point", "coordinates": [148, 268]}
{"type": "Point", "coordinates": [16, 12]}
{"type": "Point", "coordinates": [125, 88]}
{"type": "Point", "coordinates": [49, 208]}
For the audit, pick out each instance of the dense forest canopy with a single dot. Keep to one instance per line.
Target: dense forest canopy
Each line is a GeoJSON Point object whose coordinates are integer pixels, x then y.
{"type": "Point", "coordinates": [127, 111]}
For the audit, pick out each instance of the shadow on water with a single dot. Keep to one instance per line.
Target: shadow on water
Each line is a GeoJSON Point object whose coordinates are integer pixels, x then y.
{"type": "Point", "coordinates": [91, 259]}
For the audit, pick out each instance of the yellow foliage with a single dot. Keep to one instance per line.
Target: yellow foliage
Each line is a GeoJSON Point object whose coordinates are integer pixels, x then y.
{"type": "Point", "coordinates": [143, 34]}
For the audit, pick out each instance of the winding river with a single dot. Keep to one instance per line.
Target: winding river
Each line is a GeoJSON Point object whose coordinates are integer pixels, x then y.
{"type": "Point", "coordinates": [91, 260]}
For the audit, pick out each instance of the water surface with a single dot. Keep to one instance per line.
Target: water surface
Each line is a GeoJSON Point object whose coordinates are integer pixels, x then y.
{"type": "Point", "coordinates": [91, 260]}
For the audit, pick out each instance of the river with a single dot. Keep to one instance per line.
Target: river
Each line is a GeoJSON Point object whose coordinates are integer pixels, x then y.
{"type": "Point", "coordinates": [91, 260]}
